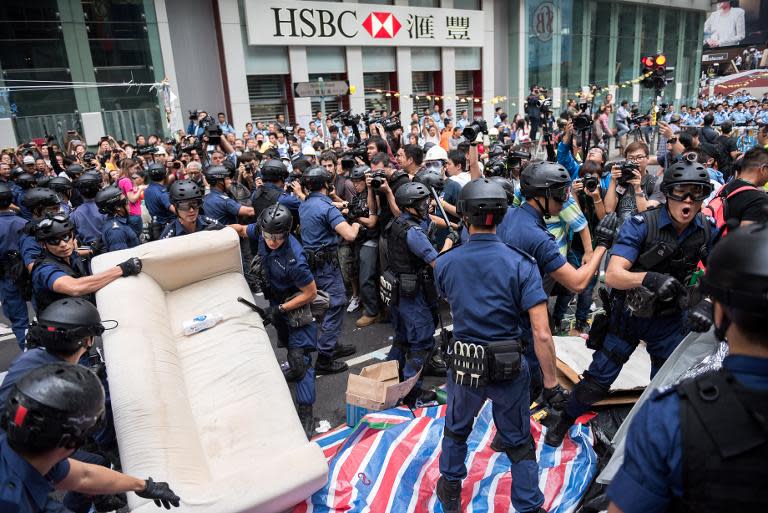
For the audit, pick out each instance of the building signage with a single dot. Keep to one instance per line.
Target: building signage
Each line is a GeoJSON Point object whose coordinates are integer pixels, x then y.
{"type": "Point", "coordinates": [324, 88]}
{"type": "Point", "coordinates": [289, 22]}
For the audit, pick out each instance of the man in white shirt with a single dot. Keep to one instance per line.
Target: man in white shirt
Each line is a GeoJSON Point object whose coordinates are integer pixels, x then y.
{"type": "Point", "coordinates": [724, 27]}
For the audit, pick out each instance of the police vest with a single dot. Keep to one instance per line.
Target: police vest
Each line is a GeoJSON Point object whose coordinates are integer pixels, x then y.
{"type": "Point", "coordinates": [45, 297]}
{"type": "Point", "coordinates": [724, 433]}
{"type": "Point", "coordinates": [400, 258]}
{"type": "Point", "coordinates": [264, 197]}
{"type": "Point", "coordinates": [662, 253]}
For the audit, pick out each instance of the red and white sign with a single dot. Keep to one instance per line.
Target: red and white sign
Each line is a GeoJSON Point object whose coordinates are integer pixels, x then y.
{"type": "Point", "coordinates": [381, 25]}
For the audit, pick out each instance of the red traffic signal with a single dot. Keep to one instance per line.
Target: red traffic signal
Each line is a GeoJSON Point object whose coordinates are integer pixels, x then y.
{"type": "Point", "coordinates": [648, 62]}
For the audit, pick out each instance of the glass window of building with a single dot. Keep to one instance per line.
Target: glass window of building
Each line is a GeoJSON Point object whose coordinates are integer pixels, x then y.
{"type": "Point", "coordinates": [465, 91]}
{"type": "Point", "coordinates": [374, 100]}
{"type": "Point", "coordinates": [423, 84]}
{"type": "Point", "coordinates": [266, 94]}
{"type": "Point", "coordinates": [332, 103]}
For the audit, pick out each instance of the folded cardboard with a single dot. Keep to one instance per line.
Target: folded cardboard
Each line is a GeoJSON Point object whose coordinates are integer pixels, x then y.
{"type": "Point", "coordinates": [377, 388]}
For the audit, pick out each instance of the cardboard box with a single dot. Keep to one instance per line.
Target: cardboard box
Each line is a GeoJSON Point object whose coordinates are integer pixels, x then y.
{"type": "Point", "coordinates": [377, 388]}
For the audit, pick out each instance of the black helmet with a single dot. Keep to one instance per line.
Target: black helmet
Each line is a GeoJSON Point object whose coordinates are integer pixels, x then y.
{"type": "Point", "coordinates": [274, 170]}
{"type": "Point", "coordinates": [89, 183]}
{"type": "Point", "coordinates": [216, 174]}
{"type": "Point", "coordinates": [359, 172]}
{"type": "Point", "coordinates": [43, 181]}
{"type": "Point", "coordinates": [542, 179]}
{"type": "Point", "coordinates": [183, 190]}
{"type": "Point", "coordinates": [74, 170]}
{"type": "Point", "coordinates": [56, 405]}
{"type": "Point", "coordinates": [6, 195]}
{"type": "Point", "coordinates": [109, 199]}
{"type": "Point", "coordinates": [53, 227]}
{"type": "Point", "coordinates": [686, 172]}
{"type": "Point", "coordinates": [431, 177]}
{"type": "Point", "coordinates": [156, 172]}
{"type": "Point", "coordinates": [275, 219]}
{"type": "Point", "coordinates": [315, 178]}
{"type": "Point", "coordinates": [412, 194]}
{"type": "Point", "coordinates": [59, 184]}
{"type": "Point", "coordinates": [26, 181]}
{"type": "Point", "coordinates": [63, 325]}
{"type": "Point", "coordinates": [507, 185]}
{"type": "Point", "coordinates": [482, 202]}
{"type": "Point", "coordinates": [40, 197]}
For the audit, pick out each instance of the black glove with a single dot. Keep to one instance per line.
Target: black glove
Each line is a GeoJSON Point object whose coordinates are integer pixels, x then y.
{"type": "Point", "coordinates": [131, 267]}
{"type": "Point", "coordinates": [273, 313]}
{"type": "Point", "coordinates": [666, 287]}
{"type": "Point", "coordinates": [453, 236]}
{"type": "Point", "coordinates": [110, 502]}
{"type": "Point", "coordinates": [97, 247]}
{"type": "Point", "coordinates": [700, 316]}
{"type": "Point", "coordinates": [605, 231]}
{"type": "Point", "coordinates": [556, 397]}
{"type": "Point", "coordinates": [159, 492]}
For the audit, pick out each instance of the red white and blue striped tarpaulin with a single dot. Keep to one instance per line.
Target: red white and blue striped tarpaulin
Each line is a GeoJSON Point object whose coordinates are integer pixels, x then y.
{"type": "Point", "coordinates": [389, 464]}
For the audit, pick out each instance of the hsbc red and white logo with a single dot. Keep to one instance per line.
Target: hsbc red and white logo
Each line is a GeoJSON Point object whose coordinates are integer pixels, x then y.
{"type": "Point", "coordinates": [381, 25]}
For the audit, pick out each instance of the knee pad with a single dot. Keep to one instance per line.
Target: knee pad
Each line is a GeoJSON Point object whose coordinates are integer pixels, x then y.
{"type": "Point", "coordinates": [518, 453]}
{"type": "Point", "coordinates": [462, 439]}
{"type": "Point", "coordinates": [297, 364]}
{"type": "Point", "coordinates": [588, 391]}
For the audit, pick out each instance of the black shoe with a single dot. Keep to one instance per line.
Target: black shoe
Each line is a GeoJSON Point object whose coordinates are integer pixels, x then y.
{"type": "Point", "coordinates": [343, 350]}
{"type": "Point", "coordinates": [556, 434]}
{"type": "Point", "coordinates": [435, 366]}
{"type": "Point", "coordinates": [496, 444]}
{"type": "Point", "coordinates": [325, 365]}
{"type": "Point", "coordinates": [307, 419]}
{"type": "Point", "coordinates": [449, 494]}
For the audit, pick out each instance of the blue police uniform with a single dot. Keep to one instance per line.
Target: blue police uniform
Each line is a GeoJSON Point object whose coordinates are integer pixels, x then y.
{"type": "Point", "coordinates": [285, 198]}
{"type": "Point", "coordinates": [221, 207]}
{"type": "Point", "coordinates": [88, 221]}
{"type": "Point", "coordinates": [739, 117]}
{"type": "Point", "coordinates": [319, 219]}
{"type": "Point", "coordinates": [651, 476]}
{"type": "Point", "coordinates": [721, 117]}
{"type": "Point", "coordinates": [47, 270]}
{"type": "Point", "coordinates": [14, 306]}
{"type": "Point", "coordinates": [412, 318]}
{"type": "Point", "coordinates": [288, 271]}
{"type": "Point", "coordinates": [176, 229]}
{"type": "Point", "coordinates": [661, 334]}
{"type": "Point", "coordinates": [158, 203]}
{"type": "Point", "coordinates": [492, 313]}
{"type": "Point", "coordinates": [118, 234]}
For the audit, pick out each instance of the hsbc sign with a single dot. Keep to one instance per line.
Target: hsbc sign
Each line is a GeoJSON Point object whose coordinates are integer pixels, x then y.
{"type": "Point", "coordinates": [292, 22]}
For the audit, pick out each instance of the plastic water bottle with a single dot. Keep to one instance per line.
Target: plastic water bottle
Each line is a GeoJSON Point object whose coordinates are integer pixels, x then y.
{"type": "Point", "coordinates": [201, 323]}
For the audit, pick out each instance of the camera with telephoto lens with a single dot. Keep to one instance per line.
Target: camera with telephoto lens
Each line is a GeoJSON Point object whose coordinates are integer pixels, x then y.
{"type": "Point", "coordinates": [583, 120]}
{"type": "Point", "coordinates": [496, 166]}
{"type": "Point", "coordinates": [391, 124]}
{"type": "Point", "coordinates": [627, 171]}
{"type": "Point", "coordinates": [591, 182]}
{"type": "Point", "coordinates": [514, 158]}
{"type": "Point", "coordinates": [378, 178]}
{"type": "Point", "coordinates": [544, 103]}
{"type": "Point", "coordinates": [355, 149]}
{"type": "Point", "coordinates": [146, 150]}
{"type": "Point", "coordinates": [214, 134]}
{"type": "Point", "coordinates": [477, 127]}
{"type": "Point", "coordinates": [346, 117]}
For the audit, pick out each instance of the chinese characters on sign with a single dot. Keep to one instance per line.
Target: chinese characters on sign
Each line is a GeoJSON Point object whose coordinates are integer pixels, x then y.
{"type": "Point", "coordinates": [458, 27]}
{"type": "Point", "coordinates": [421, 27]}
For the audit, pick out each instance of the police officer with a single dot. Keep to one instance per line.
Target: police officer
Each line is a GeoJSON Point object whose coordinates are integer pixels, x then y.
{"type": "Point", "coordinates": [50, 413]}
{"type": "Point", "coordinates": [87, 219]}
{"type": "Point", "coordinates": [116, 233]}
{"type": "Point", "coordinates": [487, 352]}
{"type": "Point", "coordinates": [291, 288]}
{"type": "Point", "coordinates": [11, 265]}
{"type": "Point", "coordinates": [217, 204]}
{"type": "Point", "coordinates": [652, 262]}
{"type": "Point", "coordinates": [63, 187]}
{"type": "Point", "coordinates": [25, 182]}
{"type": "Point", "coordinates": [60, 272]}
{"type": "Point", "coordinates": [40, 202]}
{"type": "Point", "coordinates": [321, 225]}
{"type": "Point", "coordinates": [157, 201]}
{"type": "Point", "coordinates": [273, 175]}
{"type": "Point", "coordinates": [187, 198]}
{"type": "Point", "coordinates": [408, 284]}
{"type": "Point", "coordinates": [702, 445]}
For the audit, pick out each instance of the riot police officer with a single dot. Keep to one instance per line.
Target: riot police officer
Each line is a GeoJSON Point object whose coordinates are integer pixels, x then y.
{"type": "Point", "coordinates": [321, 226]}
{"type": "Point", "coordinates": [60, 272]}
{"type": "Point", "coordinates": [217, 204]}
{"type": "Point", "coordinates": [702, 444]}
{"type": "Point", "coordinates": [50, 413]}
{"type": "Point", "coordinates": [157, 201]}
{"type": "Point", "coordinates": [11, 265]}
{"type": "Point", "coordinates": [652, 262]}
{"type": "Point", "coordinates": [87, 219]}
{"type": "Point", "coordinates": [187, 198]}
{"type": "Point", "coordinates": [40, 202]}
{"type": "Point", "coordinates": [63, 187]}
{"type": "Point", "coordinates": [273, 174]}
{"type": "Point", "coordinates": [25, 183]}
{"type": "Point", "coordinates": [116, 233]}
{"type": "Point", "coordinates": [408, 287]}
{"type": "Point", "coordinates": [487, 359]}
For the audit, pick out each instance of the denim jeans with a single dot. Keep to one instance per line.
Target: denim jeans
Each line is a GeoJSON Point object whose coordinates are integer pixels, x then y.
{"type": "Point", "coordinates": [584, 301]}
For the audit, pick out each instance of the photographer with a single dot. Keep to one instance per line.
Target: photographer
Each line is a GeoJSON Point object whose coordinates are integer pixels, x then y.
{"type": "Point", "coordinates": [564, 156]}
{"type": "Point", "coordinates": [196, 126]}
{"type": "Point", "coordinates": [622, 125]}
{"type": "Point", "coordinates": [533, 112]}
{"type": "Point", "coordinates": [631, 189]}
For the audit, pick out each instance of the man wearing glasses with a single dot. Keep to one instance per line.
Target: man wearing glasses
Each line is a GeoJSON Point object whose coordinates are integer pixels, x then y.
{"type": "Point", "coordinates": [628, 195]}
{"type": "Point", "coordinates": [187, 197]}
{"type": "Point", "coordinates": [652, 264]}
{"type": "Point", "coordinates": [61, 272]}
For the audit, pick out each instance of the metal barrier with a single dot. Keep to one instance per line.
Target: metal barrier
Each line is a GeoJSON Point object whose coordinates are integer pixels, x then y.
{"type": "Point", "coordinates": [125, 124]}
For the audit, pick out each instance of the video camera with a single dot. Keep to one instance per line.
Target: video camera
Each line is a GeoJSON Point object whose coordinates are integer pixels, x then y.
{"type": "Point", "coordinates": [146, 150]}
{"type": "Point", "coordinates": [347, 118]}
{"type": "Point", "coordinates": [503, 160]}
{"type": "Point", "coordinates": [544, 101]}
{"type": "Point", "coordinates": [583, 120]}
{"type": "Point", "coordinates": [474, 129]}
{"type": "Point", "coordinates": [663, 110]}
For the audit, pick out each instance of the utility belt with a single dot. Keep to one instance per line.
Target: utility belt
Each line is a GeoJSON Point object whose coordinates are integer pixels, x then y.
{"type": "Point", "coordinates": [392, 286]}
{"type": "Point", "coordinates": [10, 263]}
{"type": "Point", "coordinates": [476, 365]}
{"type": "Point", "coordinates": [155, 229]}
{"type": "Point", "coordinates": [319, 258]}
{"type": "Point", "coordinates": [305, 314]}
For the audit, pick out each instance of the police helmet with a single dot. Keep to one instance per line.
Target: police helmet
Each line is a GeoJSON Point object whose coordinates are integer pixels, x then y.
{"type": "Point", "coordinates": [184, 190]}
{"type": "Point", "coordinates": [26, 181]}
{"type": "Point", "coordinates": [74, 170]}
{"type": "Point", "coordinates": [315, 178]}
{"type": "Point", "coordinates": [507, 185]}
{"type": "Point", "coordinates": [156, 172]}
{"type": "Point", "coordinates": [431, 177]}
{"type": "Point", "coordinates": [411, 194]}
{"type": "Point", "coordinates": [89, 183]}
{"type": "Point", "coordinates": [62, 327]}
{"type": "Point", "coordinates": [359, 172]}
{"type": "Point", "coordinates": [275, 219]}
{"type": "Point", "coordinates": [545, 179]}
{"type": "Point", "coordinates": [216, 174]}
{"type": "Point", "coordinates": [686, 172]}
{"type": "Point", "coordinates": [6, 195]}
{"type": "Point", "coordinates": [274, 170]}
{"type": "Point", "coordinates": [109, 199]}
{"type": "Point", "coordinates": [43, 181]}
{"type": "Point", "coordinates": [482, 202]}
{"type": "Point", "coordinates": [40, 197]}
{"type": "Point", "coordinates": [59, 184]}
{"type": "Point", "coordinates": [53, 227]}
{"type": "Point", "coordinates": [56, 405]}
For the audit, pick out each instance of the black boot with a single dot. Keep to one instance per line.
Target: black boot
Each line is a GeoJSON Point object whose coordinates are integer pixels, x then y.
{"type": "Point", "coordinates": [449, 494]}
{"type": "Point", "coordinates": [326, 365]}
{"type": "Point", "coordinates": [343, 350]}
{"type": "Point", "coordinates": [496, 444]}
{"type": "Point", "coordinates": [556, 433]}
{"type": "Point", "coordinates": [307, 419]}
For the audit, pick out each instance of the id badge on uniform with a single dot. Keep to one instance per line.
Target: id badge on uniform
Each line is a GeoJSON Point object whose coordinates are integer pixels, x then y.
{"type": "Point", "coordinates": [620, 189]}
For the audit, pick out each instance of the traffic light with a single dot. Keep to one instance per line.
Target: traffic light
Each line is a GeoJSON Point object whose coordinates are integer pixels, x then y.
{"type": "Point", "coordinates": [654, 71]}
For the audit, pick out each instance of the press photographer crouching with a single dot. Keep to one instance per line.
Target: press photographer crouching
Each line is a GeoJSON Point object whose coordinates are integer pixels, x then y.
{"type": "Point", "coordinates": [631, 188]}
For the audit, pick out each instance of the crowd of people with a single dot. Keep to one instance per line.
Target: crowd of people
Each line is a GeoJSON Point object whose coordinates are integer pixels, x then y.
{"type": "Point", "coordinates": [372, 214]}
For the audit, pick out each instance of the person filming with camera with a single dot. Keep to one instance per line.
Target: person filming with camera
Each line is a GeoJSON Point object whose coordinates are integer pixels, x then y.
{"type": "Point", "coordinates": [631, 188]}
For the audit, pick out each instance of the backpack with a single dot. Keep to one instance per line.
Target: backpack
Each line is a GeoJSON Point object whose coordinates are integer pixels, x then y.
{"type": "Point", "coordinates": [719, 204]}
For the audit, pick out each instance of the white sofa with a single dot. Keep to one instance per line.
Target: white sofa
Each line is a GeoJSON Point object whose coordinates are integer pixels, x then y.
{"type": "Point", "coordinates": [209, 413]}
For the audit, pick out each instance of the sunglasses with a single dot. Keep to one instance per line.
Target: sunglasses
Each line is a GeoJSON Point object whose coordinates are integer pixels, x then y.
{"type": "Point", "coordinates": [56, 241]}
{"type": "Point", "coordinates": [697, 192]}
{"type": "Point", "coordinates": [188, 205]}
{"type": "Point", "coordinates": [274, 237]}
